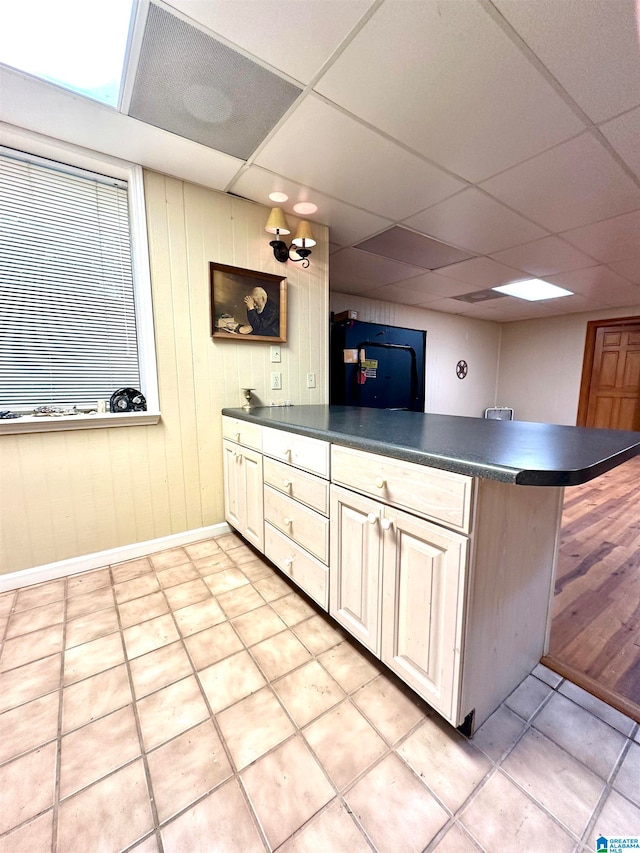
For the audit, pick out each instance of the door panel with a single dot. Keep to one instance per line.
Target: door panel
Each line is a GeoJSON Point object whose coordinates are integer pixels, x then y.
{"type": "Point", "coordinates": [423, 588]}
{"type": "Point", "coordinates": [613, 395]}
{"type": "Point", "coordinates": [233, 491]}
{"type": "Point", "coordinates": [356, 565]}
{"type": "Point", "coordinates": [253, 530]}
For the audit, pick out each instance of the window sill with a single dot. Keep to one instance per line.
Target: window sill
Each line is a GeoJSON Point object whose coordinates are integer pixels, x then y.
{"type": "Point", "coordinates": [29, 423]}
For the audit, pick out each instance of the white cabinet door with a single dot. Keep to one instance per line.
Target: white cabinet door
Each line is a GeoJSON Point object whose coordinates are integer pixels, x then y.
{"type": "Point", "coordinates": [422, 612]}
{"type": "Point", "coordinates": [233, 488]}
{"type": "Point", "coordinates": [243, 498]}
{"type": "Point", "coordinates": [356, 566]}
{"type": "Point", "coordinates": [254, 501]}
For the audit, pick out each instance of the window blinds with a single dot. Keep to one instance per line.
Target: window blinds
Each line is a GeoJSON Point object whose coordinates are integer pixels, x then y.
{"type": "Point", "coordinates": [67, 314]}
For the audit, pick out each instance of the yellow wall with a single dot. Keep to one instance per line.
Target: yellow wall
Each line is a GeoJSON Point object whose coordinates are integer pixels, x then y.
{"type": "Point", "coordinates": [67, 494]}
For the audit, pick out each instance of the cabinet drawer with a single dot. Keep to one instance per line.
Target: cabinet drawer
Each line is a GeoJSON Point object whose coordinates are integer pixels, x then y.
{"type": "Point", "coordinates": [298, 522]}
{"type": "Point", "coordinates": [442, 496]}
{"type": "Point", "coordinates": [303, 569]}
{"type": "Point", "coordinates": [310, 454]}
{"type": "Point", "coordinates": [302, 487]}
{"type": "Point", "coordinates": [242, 432]}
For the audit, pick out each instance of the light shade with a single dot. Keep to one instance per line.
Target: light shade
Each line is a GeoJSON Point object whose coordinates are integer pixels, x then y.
{"type": "Point", "coordinates": [277, 222]}
{"type": "Point", "coordinates": [533, 290]}
{"type": "Point", "coordinates": [304, 237]}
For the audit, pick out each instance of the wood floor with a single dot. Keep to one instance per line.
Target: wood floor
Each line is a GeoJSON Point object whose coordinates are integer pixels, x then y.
{"type": "Point", "coordinates": [595, 632]}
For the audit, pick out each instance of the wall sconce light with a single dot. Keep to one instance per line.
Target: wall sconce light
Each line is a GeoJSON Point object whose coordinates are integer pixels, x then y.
{"type": "Point", "coordinates": [301, 243]}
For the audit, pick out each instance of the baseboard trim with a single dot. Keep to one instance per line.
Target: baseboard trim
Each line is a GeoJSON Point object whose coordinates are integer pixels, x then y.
{"type": "Point", "coordinates": [88, 562]}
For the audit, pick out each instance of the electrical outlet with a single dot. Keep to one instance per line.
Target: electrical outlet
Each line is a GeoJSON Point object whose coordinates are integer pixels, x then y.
{"type": "Point", "coordinates": [311, 380]}
{"type": "Point", "coordinates": [275, 354]}
{"type": "Point", "coordinates": [276, 382]}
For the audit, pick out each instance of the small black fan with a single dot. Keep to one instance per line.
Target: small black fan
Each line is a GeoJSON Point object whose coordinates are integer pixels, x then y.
{"type": "Point", "coordinates": [127, 400]}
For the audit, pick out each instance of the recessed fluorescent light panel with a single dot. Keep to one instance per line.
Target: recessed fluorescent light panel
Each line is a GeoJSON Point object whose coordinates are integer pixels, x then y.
{"type": "Point", "coordinates": [533, 290]}
{"type": "Point", "coordinates": [76, 44]}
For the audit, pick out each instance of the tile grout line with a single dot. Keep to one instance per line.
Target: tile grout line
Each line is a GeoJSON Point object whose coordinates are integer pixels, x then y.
{"type": "Point", "coordinates": [297, 729]}
{"type": "Point", "coordinates": [58, 771]}
{"type": "Point", "coordinates": [606, 791]}
{"type": "Point", "coordinates": [212, 716]}
{"type": "Point", "coordinates": [134, 708]}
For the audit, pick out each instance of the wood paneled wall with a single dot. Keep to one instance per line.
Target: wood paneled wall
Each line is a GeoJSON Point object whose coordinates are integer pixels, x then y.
{"type": "Point", "coordinates": [67, 494]}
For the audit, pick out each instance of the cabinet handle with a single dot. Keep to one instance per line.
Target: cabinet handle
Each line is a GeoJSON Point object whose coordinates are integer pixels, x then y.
{"type": "Point", "coordinates": [237, 455]}
{"type": "Point", "coordinates": [237, 435]}
{"type": "Point", "coordinates": [372, 518]}
{"type": "Point", "coordinates": [380, 483]}
{"type": "Point", "coordinates": [288, 521]}
{"type": "Point", "coordinates": [385, 523]}
{"type": "Point", "coordinates": [287, 452]}
{"type": "Point", "coordinates": [287, 484]}
{"type": "Point", "coordinates": [288, 561]}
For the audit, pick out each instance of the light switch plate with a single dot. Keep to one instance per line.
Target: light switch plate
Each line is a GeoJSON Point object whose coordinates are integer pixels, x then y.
{"type": "Point", "coordinates": [275, 354]}
{"type": "Point", "coordinates": [311, 380]}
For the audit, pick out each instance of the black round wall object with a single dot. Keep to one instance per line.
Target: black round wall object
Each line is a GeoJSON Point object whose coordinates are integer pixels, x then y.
{"type": "Point", "coordinates": [462, 368]}
{"type": "Point", "coordinates": [127, 400]}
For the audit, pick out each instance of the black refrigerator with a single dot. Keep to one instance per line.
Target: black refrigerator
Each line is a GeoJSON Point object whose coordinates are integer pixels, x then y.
{"type": "Point", "coordinates": [376, 366]}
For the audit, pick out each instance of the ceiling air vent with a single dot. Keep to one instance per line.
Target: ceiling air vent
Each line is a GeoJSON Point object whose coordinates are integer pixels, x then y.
{"type": "Point", "coordinates": [413, 248]}
{"type": "Point", "coordinates": [193, 85]}
{"type": "Point", "coordinates": [479, 296]}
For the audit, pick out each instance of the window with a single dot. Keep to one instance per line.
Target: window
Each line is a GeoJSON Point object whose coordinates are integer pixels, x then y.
{"type": "Point", "coordinates": [75, 313]}
{"type": "Point", "coordinates": [57, 42]}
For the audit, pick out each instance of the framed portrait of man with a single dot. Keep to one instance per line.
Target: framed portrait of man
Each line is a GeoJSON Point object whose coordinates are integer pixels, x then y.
{"type": "Point", "coordinates": [247, 305]}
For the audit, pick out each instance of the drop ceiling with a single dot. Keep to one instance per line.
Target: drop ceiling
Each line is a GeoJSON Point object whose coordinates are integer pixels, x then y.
{"type": "Point", "coordinates": [450, 145]}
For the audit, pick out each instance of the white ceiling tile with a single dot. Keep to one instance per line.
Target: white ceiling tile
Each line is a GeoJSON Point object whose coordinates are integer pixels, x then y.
{"type": "Point", "coordinates": [434, 286]}
{"type": "Point", "coordinates": [571, 185]}
{"type": "Point", "coordinates": [483, 272]}
{"type": "Point", "coordinates": [474, 221]}
{"type": "Point", "coordinates": [511, 309]}
{"type": "Point", "coordinates": [590, 47]}
{"type": "Point", "coordinates": [354, 287]}
{"type": "Point", "coordinates": [624, 300]}
{"type": "Point", "coordinates": [320, 146]}
{"type": "Point", "coordinates": [297, 38]}
{"type": "Point", "coordinates": [347, 224]}
{"type": "Point", "coordinates": [355, 267]}
{"type": "Point", "coordinates": [446, 80]}
{"type": "Point", "coordinates": [448, 306]}
{"type": "Point", "coordinates": [628, 269]}
{"type": "Point", "coordinates": [598, 283]}
{"type": "Point", "coordinates": [616, 239]}
{"type": "Point", "coordinates": [394, 293]}
{"type": "Point", "coordinates": [623, 133]}
{"type": "Point", "coordinates": [545, 256]}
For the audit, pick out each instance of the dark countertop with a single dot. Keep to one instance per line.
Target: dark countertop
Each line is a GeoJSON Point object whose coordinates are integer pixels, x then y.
{"type": "Point", "coordinates": [527, 454]}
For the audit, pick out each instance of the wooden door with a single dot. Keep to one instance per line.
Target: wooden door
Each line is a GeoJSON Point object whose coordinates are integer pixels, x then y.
{"type": "Point", "coordinates": [356, 565]}
{"type": "Point", "coordinates": [422, 610]}
{"type": "Point", "coordinates": [610, 394]}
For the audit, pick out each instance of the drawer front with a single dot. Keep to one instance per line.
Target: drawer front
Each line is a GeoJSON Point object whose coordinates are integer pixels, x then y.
{"type": "Point", "coordinates": [310, 454]}
{"type": "Point", "coordinates": [302, 487]}
{"type": "Point", "coordinates": [441, 496]}
{"type": "Point", "coordinates": [242, 432]}
{"type": "Point", "coordinates": [303, 569]}
{"type": "Point", "coordinates": [298, 522]}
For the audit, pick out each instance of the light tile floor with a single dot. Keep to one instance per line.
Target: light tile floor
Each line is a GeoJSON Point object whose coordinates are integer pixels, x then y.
{"type": "Point", "coordinates": [194, 701]}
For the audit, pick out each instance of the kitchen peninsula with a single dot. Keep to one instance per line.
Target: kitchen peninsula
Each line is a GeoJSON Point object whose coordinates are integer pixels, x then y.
{"type": "Point", "coordinates": [432, 539]}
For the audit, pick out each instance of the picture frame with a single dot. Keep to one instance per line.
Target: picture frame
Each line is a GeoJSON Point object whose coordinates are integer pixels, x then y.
{"type": "Point", "coordinates": [247, 305]}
